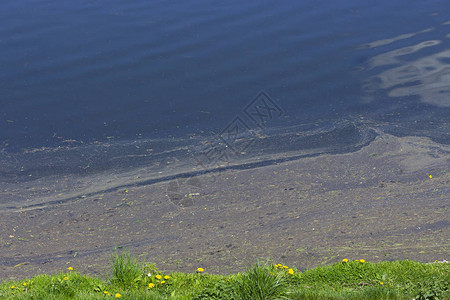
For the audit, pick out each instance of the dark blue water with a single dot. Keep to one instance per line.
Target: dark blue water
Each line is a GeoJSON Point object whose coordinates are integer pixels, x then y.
{"type": "Point", "coordinates": [88, 86]}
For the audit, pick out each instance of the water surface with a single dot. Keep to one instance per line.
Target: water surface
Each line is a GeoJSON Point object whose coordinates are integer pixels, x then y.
{"type": "Point", "coordinates": [96, 94]}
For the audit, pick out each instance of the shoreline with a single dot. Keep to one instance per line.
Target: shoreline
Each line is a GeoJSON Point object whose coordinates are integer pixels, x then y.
{"type": "Point", "coordinates": [378, 203]}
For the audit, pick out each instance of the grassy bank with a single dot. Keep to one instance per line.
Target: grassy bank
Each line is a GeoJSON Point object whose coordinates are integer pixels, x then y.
{"type": "Point", "coordinates": [350, 279]}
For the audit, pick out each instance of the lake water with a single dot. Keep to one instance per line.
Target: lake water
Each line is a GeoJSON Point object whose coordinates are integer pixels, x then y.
{"type": "Point", "coordinates": [140, 91]}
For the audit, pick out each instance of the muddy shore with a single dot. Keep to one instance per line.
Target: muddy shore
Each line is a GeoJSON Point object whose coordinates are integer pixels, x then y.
{"type": "Point", "coordinates": [390, 200]}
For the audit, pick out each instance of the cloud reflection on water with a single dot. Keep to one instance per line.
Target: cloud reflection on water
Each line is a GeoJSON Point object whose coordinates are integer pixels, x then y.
{"type": "Point", "coordinates": [411, 71]}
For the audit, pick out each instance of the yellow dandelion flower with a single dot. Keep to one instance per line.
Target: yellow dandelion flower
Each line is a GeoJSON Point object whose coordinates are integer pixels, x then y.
{"type": "Point", "coordinates": [105, 292]}
{"type": "Point", "coordinates": [362, 261]}
{"type": "Point", "coordinates": [70, 268]}
{"type": "Point", "coordinates": [166, 277]}
{"type": "Point", "coordinates": [291, 271]}
{"type": "Point", "coordinates": [285, 267]}
{"type": "Point", "coordinates": [13, 287]}
{"type": "Point", "coordinates": [279, 265]}
{"type": "Point", "coordinates": [118, 295]}
{"type": "Point", "coordinates": [431, 176]}
{"type": "Point", "coordinates": [24, 284]}
{"type": "Point", "coordinates": [381, 282]}
{"type": "Point", "coordinates": [66, 278]}
{"type": "Point", "coordinates": [162, 282]}
{"type": "Point", "coordinates": [158, 277]}
{"type": "Point", "coordinates": [151, 285]}
{"type": "Point", "coordinates": [345, 260]}
{"type": "Point", "coordinates": [200, 270]}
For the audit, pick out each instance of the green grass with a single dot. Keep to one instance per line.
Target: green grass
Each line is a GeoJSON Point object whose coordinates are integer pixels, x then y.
{"type": "Point", "coordinates": [264, 280]}
{"type": "Point", "coordinates": [126, 271]}
{"type": "Point", "coordinates": [261, 281]}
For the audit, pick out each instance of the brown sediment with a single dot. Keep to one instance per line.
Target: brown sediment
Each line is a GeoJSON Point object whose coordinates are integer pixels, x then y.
{"type": "Point", "coordinates": [378, 203]}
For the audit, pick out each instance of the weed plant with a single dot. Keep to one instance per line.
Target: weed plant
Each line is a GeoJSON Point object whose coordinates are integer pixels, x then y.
{"type": "Point", "coordinates": [262, 281]}
{"type": "Point", "coordinates": [126, 270]}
